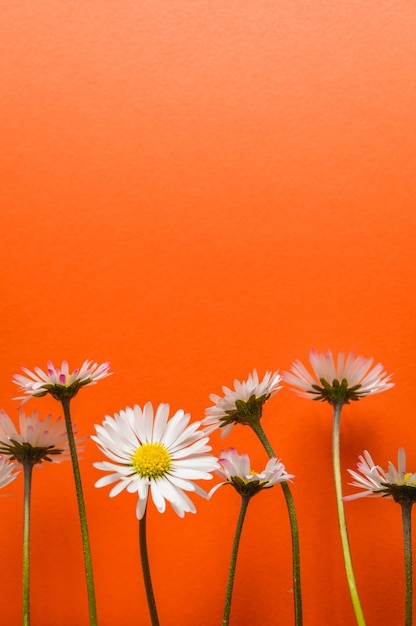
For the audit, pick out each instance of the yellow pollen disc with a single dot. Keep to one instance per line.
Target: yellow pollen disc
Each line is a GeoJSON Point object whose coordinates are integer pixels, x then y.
{"type": "Point", "coordinates": [151, 460]}
{"type": "Point", "coordinates": [406, 480]}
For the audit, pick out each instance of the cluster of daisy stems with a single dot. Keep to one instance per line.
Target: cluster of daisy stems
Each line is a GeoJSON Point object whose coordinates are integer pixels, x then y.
{"type": "Point", "coordinates": [148, 451]}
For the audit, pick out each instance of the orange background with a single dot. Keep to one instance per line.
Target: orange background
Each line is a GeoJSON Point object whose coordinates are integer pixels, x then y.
{"type": "Point", "coordinates": [191, 190]}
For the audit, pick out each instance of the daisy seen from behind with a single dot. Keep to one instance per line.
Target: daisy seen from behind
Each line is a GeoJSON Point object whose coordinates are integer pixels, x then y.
{"type": "Point", "coordinates": [400, 485]}
{"type": "Point", "coordinates": [338, 382]}
{"type": "Point", "coordinates": [236, 471]}
{"type": "Point", "coordinates": [240, 405]}
{"type": "Point", "coordinates": [150, 454]}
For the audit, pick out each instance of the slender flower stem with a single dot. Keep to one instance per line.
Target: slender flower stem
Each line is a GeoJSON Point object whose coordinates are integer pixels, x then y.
{"type": "Point", "coordinates": [408, 565]}
{"type": "Point", "coordinates": [82, 514]}
{"type": "Point", "coordinates": [233, 561]}
{"type": "Point", "coordinates": [27, 477]}
{"type": "Point", "coordinates": [341, 514]}
{"type": "Point", "coordinates": [151, 602]}
{"type": "Point", "coordinates": [294, 529]}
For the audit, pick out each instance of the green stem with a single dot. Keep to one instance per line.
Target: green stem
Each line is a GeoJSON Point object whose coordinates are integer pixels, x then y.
{"type": "Point", "coordinates": [82, 514]}
{"type": "Point", "coordinates": [27, 474]}
{"type": "Point", "coordinates": [233, 561]}
{"type": "Point", "coordinates": [408, 566]}
{"type": "Point", "coordinates": [151, 602]}
{"type": "Point", "coordinates": [341, 514]}
{"type": "Point", "coordinates": [294, 529]}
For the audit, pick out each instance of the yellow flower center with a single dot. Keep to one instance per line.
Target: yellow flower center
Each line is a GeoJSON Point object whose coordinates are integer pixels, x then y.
{"type": "Point", "coordinates": [406, 480]}
{"type": "Point", "coordinates": [152, 460]}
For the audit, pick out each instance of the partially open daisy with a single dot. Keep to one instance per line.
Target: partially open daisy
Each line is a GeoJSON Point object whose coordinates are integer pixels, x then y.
{"type": "Point", "coordinates": [374, 481]}
{"type": "Point", "coordinates": [235, 469]}
{"type": "Point", "coordinates": [241, 405]}
{"type": "Point", "coordinates": [349, 378]}
{"type": "Point", "coordinates": [148, 451]}
{"type": "Point", "coordinates": [35, 441]}
{"type": "Point", "coordinates": [59, 381]}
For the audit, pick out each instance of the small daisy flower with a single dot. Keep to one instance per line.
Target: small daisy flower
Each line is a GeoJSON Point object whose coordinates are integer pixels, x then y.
{"type": "Point", "coordinates": [374, 481]}
{"type": "Point", "coordinates": [59, 382]}
{"type": "Point", "coordinates": [149, 452]}
{"type": "Point", "coordinates": [7, 471]}
{"type": "Point", "coordinates": [350, 378]}
{"type": "Point", "coordinates": [243, 404]}
{"type": "Point", "coordinates": [38, 440]}
{"type": "Point", "coordinates": [236, 471]}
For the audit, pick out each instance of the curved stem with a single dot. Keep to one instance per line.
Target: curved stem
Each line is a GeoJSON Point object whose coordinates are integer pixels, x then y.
{"type": "Point", "coordinates": [294, 529]}
{"type": "Point", "coordinates": [82, 514]}
{"type": "Point", "coordinates": [341, 515]}
{"type": "Point", "coordinates": [27, 474]}
{"type": "Point", "coordinates": [233, 561]}
{"type": "Point", "coordinates": [151, 603]}
{"type": "Point", "coordinates": [408, 566]}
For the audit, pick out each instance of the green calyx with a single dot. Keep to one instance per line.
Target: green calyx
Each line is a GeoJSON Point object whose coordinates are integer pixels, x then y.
{"type": "Point", "coordinates": [246, 412]}
{"type": "Point", "coordinates": [337, 392]}
{"type": "Point", "coordinates": [26, 453]}
{"type": "Point", "coordinates": [248, 488]}
{"type": "Point", "coordinates": [402, 494]}
{"type": "Point", "coordinates": [60, 392]}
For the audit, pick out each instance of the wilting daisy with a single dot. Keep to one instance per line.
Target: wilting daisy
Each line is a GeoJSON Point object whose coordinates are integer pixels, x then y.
{"type": "Point", "coordinates": [400, 485]}
{"type": "Point", "coordinates": [236, 471]}
{"type": "Point", "coordinates": [241, 405]}
{"type": "Point", "coordinates": [35, 440]}
{"type": "Point", "coordinates": [59, 381]}
{"type": "Point", "coordinates": [349, 378]}
{"type": "Point", "coordinates": [149, 452]}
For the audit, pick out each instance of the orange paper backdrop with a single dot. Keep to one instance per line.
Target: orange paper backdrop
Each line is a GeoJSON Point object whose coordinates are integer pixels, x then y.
{"type": "Point", "coordinates": [191, 190]}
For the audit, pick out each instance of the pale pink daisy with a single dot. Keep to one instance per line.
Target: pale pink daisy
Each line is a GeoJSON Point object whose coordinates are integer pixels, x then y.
{"type": "Point", "coordinates": [7, 471]}
{"type": "Point", "coordinates": [349, 378]}
{"type": "Point", "coordinates": [149, 452]}
{"type": "Point", "coordinates": [374, 481]}
{"type": "Point", "coordinates": [243, 404]}
{"type": "Point", "coordinates": [59, 381]}
{"type": "Point", "coordinates": [35, 440]}
{"type": "Point", "coordinates": [236, 470]}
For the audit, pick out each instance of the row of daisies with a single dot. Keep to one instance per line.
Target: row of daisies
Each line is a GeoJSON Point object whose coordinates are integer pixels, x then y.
{"type": "Point", "coordinates": [149, 451]}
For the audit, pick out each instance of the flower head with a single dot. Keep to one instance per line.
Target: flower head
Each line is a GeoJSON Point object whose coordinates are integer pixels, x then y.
{"type": "Point", "coordinates": [350, 378]}
{"type": "Point", "coordinates": [236, 471]}
{"type": "Point", "coordinates": [374, 481]}
{"type": "Point", "coordinates": [38, 440]}
{"type": "Point", "coordinates": [243, 404]}
{"type": "Point", "coordinates": [149, 451]}
{"type": "Point", "coordinates": [59, 382]}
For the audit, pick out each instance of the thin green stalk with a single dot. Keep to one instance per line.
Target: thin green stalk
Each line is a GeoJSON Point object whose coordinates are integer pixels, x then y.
{"type": "Point", "coordinates": [341, 514]}
{"type": "Point", "coordinates": [82, 514]}
{"type": "Point", "coordinates": [233, 561]}
{"type": "Point", "coordinates": [294, 529]}
{"type": "Point", "coordinates": [27, 478]}
{"type": "Point", "coordinates": [408, 565]}
{"type": "Point", "coordinates": [151, 602]}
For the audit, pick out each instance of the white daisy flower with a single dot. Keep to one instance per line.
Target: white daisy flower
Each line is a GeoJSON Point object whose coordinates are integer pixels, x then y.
{"type": "Point", "coordinates": [374, 481]}
{"type": "Point", "coordinates": [59, 381]}
{"type": "Point", "coordinates": [243, 404]}
{"type": "Point", "coordinates": [148, 451]}
{"type": "Point", "coordinates": [350, 378]}
{"type": "Point", "coordinates": [38, 440]}
{"type": "Point", "coordinates": [235, 469]}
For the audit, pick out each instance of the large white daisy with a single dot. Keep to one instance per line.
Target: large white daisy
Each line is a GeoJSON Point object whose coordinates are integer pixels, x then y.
{"type": "Point", "coordinates": [349, 378]}
{"type": "Point", "coordinates": [148, 451]}
{"type": "Point", "coordinates": [241, 404]}
{"type": "Point", "coordinates": [59, 381]}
